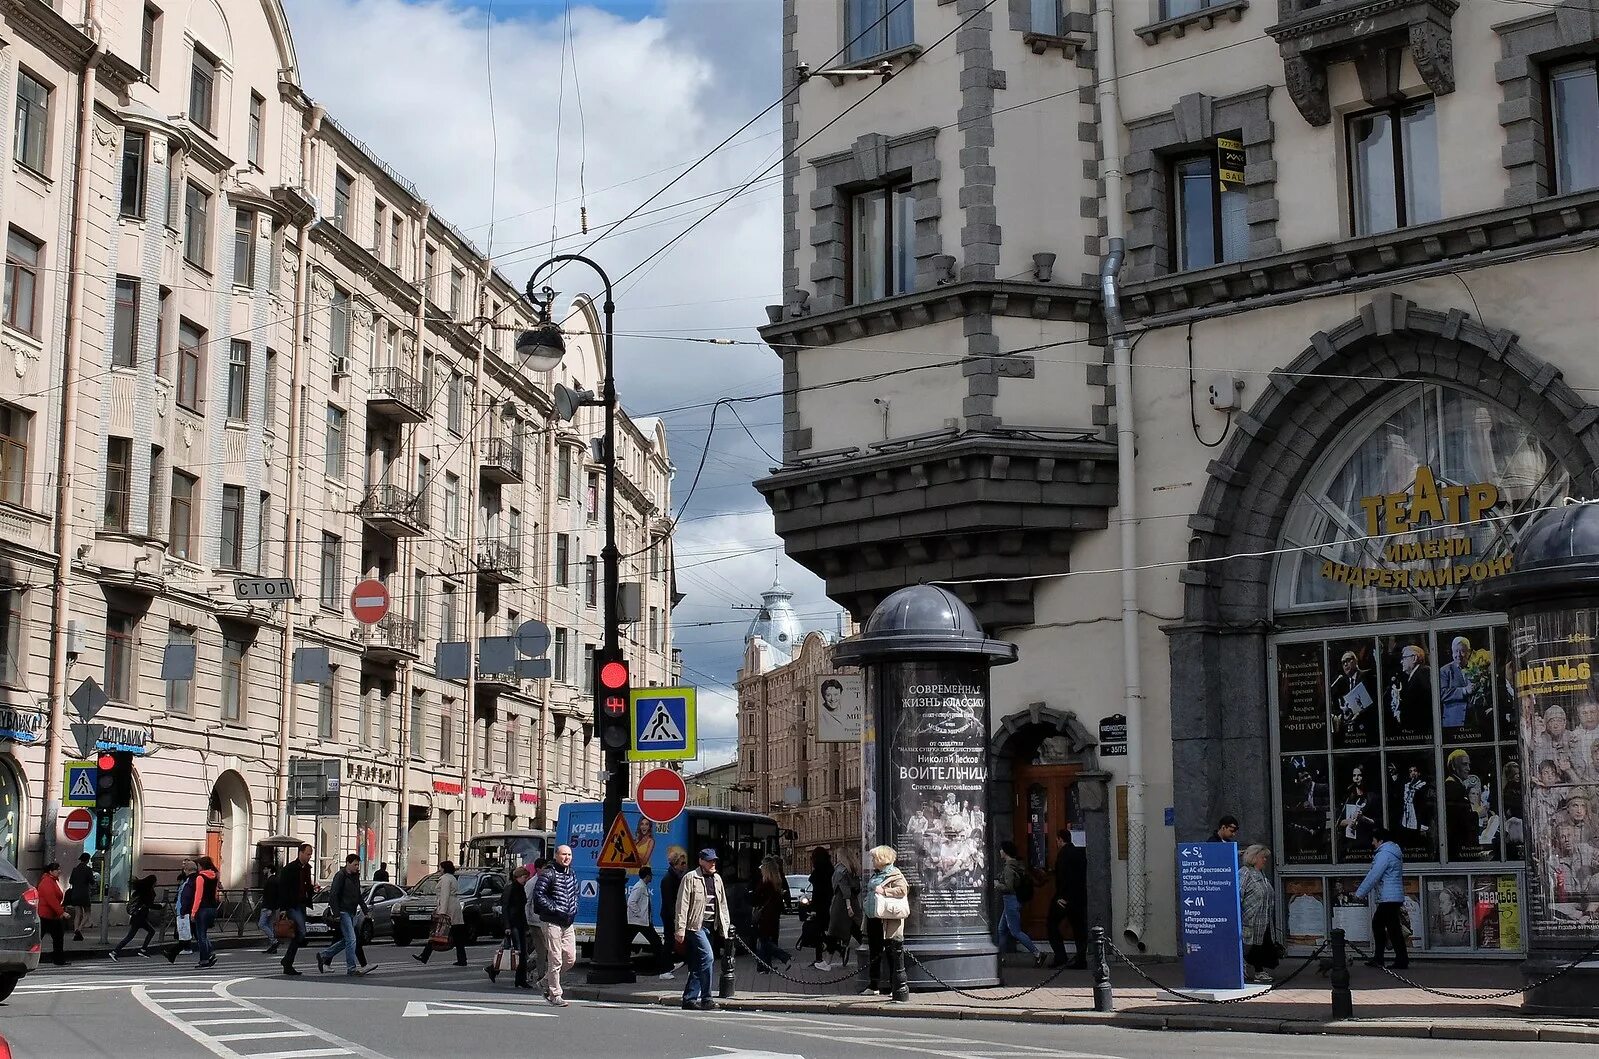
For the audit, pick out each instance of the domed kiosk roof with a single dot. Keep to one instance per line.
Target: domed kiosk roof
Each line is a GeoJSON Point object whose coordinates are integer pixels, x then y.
{"type": "Point", "coordinates": [922, 620]}
{"type": "Point", "coordinates": [1557, 557]}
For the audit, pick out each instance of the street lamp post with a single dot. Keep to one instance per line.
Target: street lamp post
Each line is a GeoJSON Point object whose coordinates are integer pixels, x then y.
{"type": "Point", "coordinates": [543, 347]}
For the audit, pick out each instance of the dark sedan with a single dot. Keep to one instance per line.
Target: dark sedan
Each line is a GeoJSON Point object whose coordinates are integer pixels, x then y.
{"type": "Point", "coordinates": [480, 893]}
{"type": "Point", "coordinates": [19, 927]}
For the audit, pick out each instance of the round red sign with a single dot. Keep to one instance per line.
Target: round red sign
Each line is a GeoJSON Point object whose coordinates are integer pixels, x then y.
{"type": "Point", "coordinates": [77, 825]}
{"type": "Point", "coordinates": [661, 795]}
{"type": "Point", "coordinates": [369, 602]}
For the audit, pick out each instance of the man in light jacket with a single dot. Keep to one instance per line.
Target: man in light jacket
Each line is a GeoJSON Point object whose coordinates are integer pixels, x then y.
{"type": "Point", "coordinates": [1387, 879]}
{"type": "Point", "coordinates": [555, 904]}
{"type": "Point", "coordinates": [701, 924]}
{"type": "Point", "coordinates": [641, 918]}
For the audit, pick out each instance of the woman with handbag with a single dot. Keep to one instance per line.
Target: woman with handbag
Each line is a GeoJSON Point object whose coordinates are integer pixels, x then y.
{"type": "Point", "coordinates": [769, 916]}
{"type": "Point", "coordinates": [1261, 948]}
{"type": "Point", "coordinates": [887, 906]}
{"type": "Point", "coordinates": [449, 925]}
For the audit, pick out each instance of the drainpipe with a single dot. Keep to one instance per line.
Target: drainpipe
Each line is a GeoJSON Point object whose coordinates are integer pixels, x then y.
{"type": "Point", "coordinates": [402, 847]}
{"type": "Point", "coordinates": [552, 448]}
{"type": "Point", "coordinates": [1110, 141]}
{"type": "Point", "coordinates": [291, 514]}
{"type": "Point", "coordinates": [66, 492]}
{"type": "Point", "coordinates": [473, 492]}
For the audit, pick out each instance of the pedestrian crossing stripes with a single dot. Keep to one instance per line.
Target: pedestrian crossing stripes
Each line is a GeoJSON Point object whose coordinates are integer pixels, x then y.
{"type": "Point", "coordinates": [231, 1020]}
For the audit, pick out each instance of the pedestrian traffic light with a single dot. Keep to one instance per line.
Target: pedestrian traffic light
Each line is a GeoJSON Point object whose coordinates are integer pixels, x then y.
{"type": "Point", "coordinates": [113, 780]}
{"type": "Point", "coordinates": [612, 715]}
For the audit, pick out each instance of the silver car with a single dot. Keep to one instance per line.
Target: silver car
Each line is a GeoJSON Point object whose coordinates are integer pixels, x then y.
{"type": "Point", "coordinates": [380, 898]}
{"type": "Point", "coordinates": [19, 927]}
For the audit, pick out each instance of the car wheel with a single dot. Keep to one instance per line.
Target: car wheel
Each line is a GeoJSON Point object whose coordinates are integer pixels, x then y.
{"type": "Point", "coordinates": [8, 983]}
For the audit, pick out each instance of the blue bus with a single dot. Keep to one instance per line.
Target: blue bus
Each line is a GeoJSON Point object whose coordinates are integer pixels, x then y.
{"type": "Point", "coordinates": [742, 840]}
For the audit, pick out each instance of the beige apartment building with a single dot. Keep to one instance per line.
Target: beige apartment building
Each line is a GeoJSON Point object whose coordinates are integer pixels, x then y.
{"type": "Point", "coordinates": [261, 353]}
{"type": "Point", "coordinates": [1237, 549]}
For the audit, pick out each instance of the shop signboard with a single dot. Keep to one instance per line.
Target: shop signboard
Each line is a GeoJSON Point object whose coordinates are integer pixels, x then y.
{"type": "Point", "coordinates": [20, 726]}
{"type": "Point", "coordinates": [1208, 903]}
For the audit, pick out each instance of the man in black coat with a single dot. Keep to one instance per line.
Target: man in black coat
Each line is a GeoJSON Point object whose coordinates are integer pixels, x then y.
{"type": "Point", "coordinates": [1071, 901]}
{"type": "Point", "coordinates": [295, 887]}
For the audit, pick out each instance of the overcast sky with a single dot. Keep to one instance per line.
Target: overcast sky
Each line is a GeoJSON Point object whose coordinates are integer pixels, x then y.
{"type": "Point", "coordinates": [647, 88]}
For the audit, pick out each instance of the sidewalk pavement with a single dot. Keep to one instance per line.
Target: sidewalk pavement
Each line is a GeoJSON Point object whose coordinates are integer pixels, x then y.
{"type": "Point", "coordinates": [1383, 1006]}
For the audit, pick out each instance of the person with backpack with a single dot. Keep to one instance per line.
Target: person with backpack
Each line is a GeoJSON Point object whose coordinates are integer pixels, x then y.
{"type": "Point", "coordinates": [1015, 886]}
{"type": "Point", "coordinates": [203, 911]}
{"type": "Point", "coordinates": [141, 903]}
{"type": "Point", "coordinates": [346, 901]}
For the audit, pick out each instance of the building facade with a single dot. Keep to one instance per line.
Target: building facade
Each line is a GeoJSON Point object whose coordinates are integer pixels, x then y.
{"type": "Point", "coordinates": [261, 353]}
{"type": "Point", "coordinates": [1358, 303]}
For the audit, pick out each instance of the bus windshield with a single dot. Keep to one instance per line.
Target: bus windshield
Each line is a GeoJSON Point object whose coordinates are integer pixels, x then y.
{"type": "Point", "coordinates": [504, 850]}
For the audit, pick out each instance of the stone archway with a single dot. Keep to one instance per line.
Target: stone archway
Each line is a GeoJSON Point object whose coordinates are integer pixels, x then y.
{"type": "Point", "coordinates": [1040, 735]}
{"type": "Point", "coordinates": [1220, 710]}
{"type": "Point", "coordinates": [230, 804]}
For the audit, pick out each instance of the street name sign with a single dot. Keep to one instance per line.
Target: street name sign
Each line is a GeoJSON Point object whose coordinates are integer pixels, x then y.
{"type": "Point", "coordinates": [274, 589]}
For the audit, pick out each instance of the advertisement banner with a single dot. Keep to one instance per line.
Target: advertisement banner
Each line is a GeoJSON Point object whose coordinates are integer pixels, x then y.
{"type": "Point", "coordinates": [841, 698]}
{"type": "Point", "coordinates": [1307, 911]}
{"type": "Point", "coordinates": [1448, 912]}
{"type": "Point", "coordinates": [936, 772]}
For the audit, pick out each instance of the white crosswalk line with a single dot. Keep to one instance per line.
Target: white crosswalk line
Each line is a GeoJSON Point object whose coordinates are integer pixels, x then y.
{"type": "Point", "coordinates": [305, 1053]}
{"type": "Point", "coordinates": [229, 1022]}
{"type": "Point", "coordinates": [267, 1035]}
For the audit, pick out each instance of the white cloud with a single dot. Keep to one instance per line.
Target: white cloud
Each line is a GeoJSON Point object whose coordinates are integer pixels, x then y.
{"type": "Point", "coordinates": [410, 80]}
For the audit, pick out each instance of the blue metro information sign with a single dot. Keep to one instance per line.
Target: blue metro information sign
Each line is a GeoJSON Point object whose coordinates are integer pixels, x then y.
{"type": "Point", "coordinates": [1211, 913]}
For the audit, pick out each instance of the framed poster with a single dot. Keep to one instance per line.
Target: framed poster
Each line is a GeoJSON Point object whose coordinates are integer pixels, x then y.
{"type": "Point", "coordinates": [1350, 913]}
{"type": "Point", "coordinates": [1301, 698]}
{"type": "Point", "coordinates": [1448, 912]}
{"type": "Point", "coordinates": [1306, 902]}
{"type": "Point", "coordinates": [1466, 686]}
{"type": "Point", "coordinates": [1352, 698]}
{"type": "Point", "coordinates": [841, 699]}
{"type": "Point", "coordinates": [1307, 810]}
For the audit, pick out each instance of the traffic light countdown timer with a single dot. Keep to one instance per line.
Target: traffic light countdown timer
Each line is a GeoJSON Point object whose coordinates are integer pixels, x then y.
{"type": "Point", "coordinates": [612, 713]}
{"type": "Point", "coordinates": [113, 790]}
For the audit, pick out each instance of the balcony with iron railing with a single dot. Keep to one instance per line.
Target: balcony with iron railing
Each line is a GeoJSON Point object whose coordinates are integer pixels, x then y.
{"type": "Point", "coordinates": [503, 460]}
{"type": "Point", "coordinates": [398, 395]}
{"type": "Point", "coordinates": [394, 511]}
{"type": "Point", "coordinates": [499, 562]}
{"type": "Point", "coordinates": [391, 638]}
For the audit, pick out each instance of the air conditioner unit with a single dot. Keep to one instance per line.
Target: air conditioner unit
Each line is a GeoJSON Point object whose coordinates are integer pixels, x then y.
{"type": "Point", "coordinates": [341, 365]}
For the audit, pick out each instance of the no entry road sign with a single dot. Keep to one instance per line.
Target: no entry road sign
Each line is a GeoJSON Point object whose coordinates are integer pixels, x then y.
{"type": "Point", "coordinates": [369, 602]}
{"type": "Point", "coordinates": [77, 825]}
{"type": "Point", "coordinates": [661, 795]}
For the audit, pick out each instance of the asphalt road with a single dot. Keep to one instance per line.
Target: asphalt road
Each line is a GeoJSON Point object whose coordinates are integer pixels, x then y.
{"type": "Point", "coordinates": [241, 1009]}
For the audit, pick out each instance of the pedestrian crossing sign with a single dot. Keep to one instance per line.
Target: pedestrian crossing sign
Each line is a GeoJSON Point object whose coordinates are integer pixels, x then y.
{"type": "Point", "coordinates": [590, 888]}
{"type": "Point", "coordinates": [619, 850]}
{"type": "Point", "coordinates": [663, 725]}
{"type": "Point", "coordinates": [77, 783]}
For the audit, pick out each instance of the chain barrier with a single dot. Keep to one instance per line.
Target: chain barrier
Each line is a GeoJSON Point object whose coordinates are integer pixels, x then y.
{"type": "Point", "coordinates": [1193, 998]}
{"type": "Point", "coordinates": [910, 957]}
{"type": "Point", "coordinates": [760, 963]}
{"type": "Point", "coordinates": [1499, 995]}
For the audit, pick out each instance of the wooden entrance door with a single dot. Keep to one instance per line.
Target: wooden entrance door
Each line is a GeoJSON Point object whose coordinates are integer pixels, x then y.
{"type": "Point", "coordinates": [1046, 802]}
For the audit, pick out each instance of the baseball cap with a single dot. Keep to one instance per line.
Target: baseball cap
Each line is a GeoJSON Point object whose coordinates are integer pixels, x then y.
{"type": "Point", "coordinates": [707, 854]}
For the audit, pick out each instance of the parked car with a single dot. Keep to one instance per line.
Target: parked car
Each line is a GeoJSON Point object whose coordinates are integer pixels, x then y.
{"type": "Point", "coordinates": [19, 927]}
{"type": "Point", "coordinates": [799, 896]}
{"type": "Point", "coordinates": [380, 899]}
{"type": "Point", "coordinates": [412, 915]}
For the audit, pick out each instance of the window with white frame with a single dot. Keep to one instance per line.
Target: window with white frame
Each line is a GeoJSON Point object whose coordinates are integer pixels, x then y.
{"type": "Point", "coordinates": [15, 427]}
{"type": "Point", "coordinates": [1393, 167]}
{"type": "Point", "coordinates": [873, 27]}
{"type": "Point", "coordinates": [32, 130]}
{"type": "Point", "coordinates": [882, 242]}
{"type": "Point", "coordinates": [1574, 125]}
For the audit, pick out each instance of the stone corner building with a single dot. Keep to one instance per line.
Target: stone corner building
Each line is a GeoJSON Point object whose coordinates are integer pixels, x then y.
{"type": "Point", "coordinates": [1364, 307]}
{"type": "Point", "coordinates": [281, 370]}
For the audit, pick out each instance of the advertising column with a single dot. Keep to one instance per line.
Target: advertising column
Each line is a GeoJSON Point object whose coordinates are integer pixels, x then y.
{"type": "Point", "coordinates": [925, 763]}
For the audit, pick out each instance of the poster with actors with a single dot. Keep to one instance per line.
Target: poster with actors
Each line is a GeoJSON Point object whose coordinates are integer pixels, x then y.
{"type": "Point", "coordinates": [1357, 806]}
{"type": "Point", "coordinates": [1512, 798]}
{"type": "Point", "coordinates": [1407, 690]}
{"type": "Point", "coordinates": [1307, 810]}
{"type": "Point", "coordinates": [1466, 686]}
{"type": "Point", "coordinates": [1301, 697]}
{"type": "Point", "coordinates": [1412, 803]}
{"type": "Point", "coordinates": [841, 699]}
{"type": "Point", "coordinates": [1472, 816]}
{"type": "Point", "coordinates": [1448, 912]}
{"type": "Point", "coordinates": [1352, 694]}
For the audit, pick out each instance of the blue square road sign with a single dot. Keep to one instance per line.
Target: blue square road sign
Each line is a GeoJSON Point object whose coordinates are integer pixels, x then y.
{"type": "Point", "coordinates": [663, 725]}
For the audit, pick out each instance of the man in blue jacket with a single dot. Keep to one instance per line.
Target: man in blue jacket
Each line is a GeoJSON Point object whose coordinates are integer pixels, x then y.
{"type": "Point", "coordinates": [1387, 878]}
{"type": "Point", "coordinates": [555, 904]}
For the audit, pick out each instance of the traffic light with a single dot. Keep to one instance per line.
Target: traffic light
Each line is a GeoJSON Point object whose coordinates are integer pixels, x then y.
{"type": "Point", "coordinates": [612, 715]}
{"type": "Point", "coordinates": [113, 781]}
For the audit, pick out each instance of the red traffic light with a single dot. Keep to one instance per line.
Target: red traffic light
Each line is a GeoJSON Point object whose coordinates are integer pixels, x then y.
{"type": "Point", "coordinates": [613, 675]}
{"type": "Point", "coordinates": [615, 706]}
{"type": "Point", "coordinates": [107, 762]}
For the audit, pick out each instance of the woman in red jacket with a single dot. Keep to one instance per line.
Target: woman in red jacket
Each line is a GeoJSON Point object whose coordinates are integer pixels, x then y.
{"type": "Point", "coordinates": [53, 912]}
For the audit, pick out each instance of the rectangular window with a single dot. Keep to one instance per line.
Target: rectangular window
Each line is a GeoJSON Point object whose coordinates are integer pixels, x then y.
{"type": "Point", "coordinates": [15, 425]}
{"type": "Point", "coordinates": [157, 479]}
{"type": "Point", "coordinates": [447, 734]}
{"type": "Point", "coordinates": [558, 662]}
{"type": "Point", "coordinates": [330, 573]}
{"type": "Point", "coordinates": [163, 295]}
{"type": "Point", "coordinates": [876, 26]}
{"type": "Point", "coordinates": [149, 35]}
{"type": "Point", "coordinates": [134, 146]}
{"type": "Point", "coordinates": [10, 637]}
{"type": "Point", "coordinates": [202, 90]}
{"type": "Point", "coordinates": [32, 120]}
{"type": "Point", "coordinates": [235, 678]}
{"type": "Point", "coordinates": [657, 546]}
{"type": "Point", "coordinates": [419, 602]}
{"type": "Point", "coordinates": [118, 484]}
{"type": "Point", "coordinates": [457, 284]}
{"type": "Point", "coordinates": [180, 693]}
{"type": "Point", "coordinates": [513, 737]}
{"type": "Point", "coordinates": [1574, 124]}
{"type": "Point", "coordinates": [397, 244]}
{"type": "Point", "coordinates": [196, 224]}
{"type": "Point", "coordinates": [591, 581]}
{"type": "Point", "coordinates": [563, 550]}
{"type": "Point", "coordinates": [244, 248]}
{"type": "Point", "coordinates": [563, 474]}
{"type": "Point", "coordinates": [587, 676]}
{"type": "Point", "coordinates": [1047, 18]}
{"type": "Point", "coordinates": [343, 192]}
{"type": "Point", "coordinates": [429, 267]}
{"type": "Point", "coordinates": [263, 529]}
{"type": "Point", "coordinates": [191, 340]}
{"type": "Point", "coordinates": [655, 629]}
{"type": "Point", "coordinates": [120, 632]}
{"type": "Point", "coordinates": [22, 282]}
{"type": "Point", "coordinates": [418, 723]}
{"type": "Point", "coordinates": [125, 324]}
{"type": "Point", "coordinates": [457, 403]}
{"type": "Point", "coordinates": [1393, 167]}
{"type": "Point", "coordinates": [238, 380]}
{"type": "Point", "coordinates": [593, 504]}
{"type": "Point", "coordinates": [333, 443]}
{"type": "Point", "coordinates": [327, 716]}
{"type": "Point", "coordinates": [882, 243]}
{"type": "Point", "coordinates": [449, 614]}
{"type": "Point", "coordinates": [339, 325]}
{"type": "Point", "coordinates": [232, 554]}
{"type": "Point", "coordinates": [452, 502]}
{"type": "Point", "coordinates": [255, 135]}
{"type": "Point", "coordinates": [380, 216]}
{"type": "Point", "coordinates": [180, 515]}
{"type": "Point", "coordinates": [1209, 220]}
{"type": "Point", "coordinates": [1177, 8]}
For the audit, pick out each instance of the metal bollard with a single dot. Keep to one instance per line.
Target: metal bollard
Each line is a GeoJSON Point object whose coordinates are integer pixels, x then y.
{"type": "Point", "coordinates": [727, 990]}
{"type": "Point", "coordinates": [1103, 999]}
{"type": "Point", "coordinates": [1343, 1004]}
